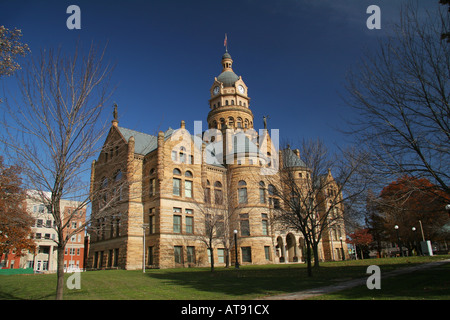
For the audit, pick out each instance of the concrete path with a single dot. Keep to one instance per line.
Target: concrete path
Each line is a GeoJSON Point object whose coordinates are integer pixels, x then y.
{"type": "Point", "coordinates": [301, 295]}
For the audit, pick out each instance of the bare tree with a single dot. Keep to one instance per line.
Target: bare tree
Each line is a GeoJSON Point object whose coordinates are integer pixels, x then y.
{"type": "Point", "coordinates": [311, 197]}
{"type": "Point", "coordinates": [54, 131]}
{"type": "Point", "coordinates": [401, 96]}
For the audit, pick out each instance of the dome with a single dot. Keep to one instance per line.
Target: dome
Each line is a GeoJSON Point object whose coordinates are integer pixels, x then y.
{"type": "Point", "coordinates": [228, 78]}
{"type": "Point", "coordinates": [226, 55]}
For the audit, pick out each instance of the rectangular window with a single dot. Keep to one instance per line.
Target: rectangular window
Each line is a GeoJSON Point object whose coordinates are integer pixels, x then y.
{"type": "Point", "coordinates": [245, 225]}
{"type": "Point", "coordinates": [190, 251]}
{"type": "Point", "coordinates": [188, 189]}
{"type": "Point", "coordinates": [178, 254]}
{"type": "Point", "coordinates": [174, 156]}
{"type": "Point", "coordinates": [243, 195]}
{"type": "Point", "coordinates": [116, 257]}
{"type": "Point", "coordinates": [246, 254]}
{"type": "Point", "coordinates": [189, 224]}
{"type": "Point", "coordinates": [176, 187]}
{"type": "Point", "coordinates": [189, 211]}
{"type": "Point", "coordinates": [152, 187]}
{"type": "Point", "coordinates": [262, 196]}
{"type": "Point", "coordinates": [267, 252]}
{"type": "Point", "coordinates": [218, 198]}
{"type": "Point", "coordinates": [265, 224]}
{"type": "Point", "coordinates": [176, 224]}
{"type": "Point", "coordinates": [151, 224]}
{"type": "Point", "coordinates": [150, 256]}
{"type": "Point", "coordinates": [221, 255]}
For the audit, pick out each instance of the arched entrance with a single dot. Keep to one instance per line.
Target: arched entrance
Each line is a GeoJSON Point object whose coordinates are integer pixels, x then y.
{"type": "Point", "coordinates": [281, 253]}
{"type": "Point", "coordinates": [291, 246]}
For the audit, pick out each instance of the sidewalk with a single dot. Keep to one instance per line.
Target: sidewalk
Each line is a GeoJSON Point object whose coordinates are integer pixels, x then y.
{"type": "Point", "coordinates": [301, 295]}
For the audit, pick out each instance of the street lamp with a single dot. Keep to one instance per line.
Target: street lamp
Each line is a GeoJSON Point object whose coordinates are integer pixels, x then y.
{"type": "Point", "coordinates": [236, 264]}
{"type": "Point", "coordinates": [415, 240]}
{"type": "Point", "coordinates": [144, 227]}
{"type": "Point", "coordinates": [398, 240]}
{"type": "Point", "coordinates": [342, 249]}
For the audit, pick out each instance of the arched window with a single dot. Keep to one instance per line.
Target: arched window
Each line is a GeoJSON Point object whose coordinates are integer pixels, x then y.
{"type": "Point", "coordinates": [262, 192]}
{"type": "Point", "coordinates": [242, 192]}
{"type": "Point", "coordinates": [273, 199]}
{"type": "Point", "coordinates": [218, 195]}
{"type": "Point", "coordinates": [176, 188]}
{"type": "Point", "coordinates": [182, 154]}
{"type": "Point", "coordinates": [188, 174]}
{"type": "Point", "coordinates": [208, 192]}
{"type": "Point", "coordinates": [231, 122]}
{"type": "Point", "coordinates": [239, 122]}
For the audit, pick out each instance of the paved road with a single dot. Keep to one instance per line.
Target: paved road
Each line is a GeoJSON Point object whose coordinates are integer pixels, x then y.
{"type": "Point", "coordinates": [301, 295]}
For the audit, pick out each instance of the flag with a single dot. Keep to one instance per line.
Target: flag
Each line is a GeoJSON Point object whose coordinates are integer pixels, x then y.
{"type": "Point", "coordinates": [225, 41]}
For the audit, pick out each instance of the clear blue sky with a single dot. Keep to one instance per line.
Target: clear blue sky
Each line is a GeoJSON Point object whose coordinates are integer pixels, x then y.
{"type": "Point", "coordinates": [293, 55]}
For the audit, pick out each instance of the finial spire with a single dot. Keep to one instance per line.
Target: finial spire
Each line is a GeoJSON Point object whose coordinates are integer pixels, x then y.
{"type": "Point", "coordinates": [115, 122]}
{"type": "Point", "coordinates": [225, 43]}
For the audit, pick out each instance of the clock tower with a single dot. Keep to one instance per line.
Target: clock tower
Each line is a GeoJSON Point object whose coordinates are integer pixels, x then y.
{"type": "Point", "coordinates": [229, 102]}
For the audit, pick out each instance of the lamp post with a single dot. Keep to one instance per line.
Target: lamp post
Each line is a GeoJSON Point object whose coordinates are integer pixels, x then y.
{"type": "Point", "coordinates": [342, 249]}
{"type": "Point", "coordinates": [415, 240]}
{"type": "Point", "coordinates": [144, 227]}
{"type": "Point", "coordinates": [398, 240]}
{"type": "Point", "coordinates": [236, 264]}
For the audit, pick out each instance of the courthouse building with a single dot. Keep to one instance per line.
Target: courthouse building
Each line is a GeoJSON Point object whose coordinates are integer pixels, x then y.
{"type": "Point", "coordinates": [162, 201]}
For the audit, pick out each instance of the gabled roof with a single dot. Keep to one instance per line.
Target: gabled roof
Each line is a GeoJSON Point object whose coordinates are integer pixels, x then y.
{"type": "Point", "coordinates": [143, 143]}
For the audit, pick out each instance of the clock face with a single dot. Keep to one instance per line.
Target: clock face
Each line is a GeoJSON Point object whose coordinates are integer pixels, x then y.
{"type": "Point", "coordinates": [241, 89]}
{"type": "Point", "coordinates": [216, 90]}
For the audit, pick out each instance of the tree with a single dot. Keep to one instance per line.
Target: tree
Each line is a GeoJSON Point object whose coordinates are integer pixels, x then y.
{"type": "Point", "coordinates": [311, 197]}
{"type": "Point", "coordinates": [10, 48]}
{"type": "Point", "coordinates": [409, 200]}
{"type": "Point", "coordinates": [361, 239]}
{"type": "Point", "coordinates": [15, 222]}
{"type": "Point", "coordinates": [54, 131]}
{"type": "Point", "coordinates": [401, 96]}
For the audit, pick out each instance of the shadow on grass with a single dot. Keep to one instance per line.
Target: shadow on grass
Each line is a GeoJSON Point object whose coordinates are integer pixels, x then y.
{"type": "Point", "coordinates": [251, 282]}
{"type": "Point", "coordinates": [427, 284]}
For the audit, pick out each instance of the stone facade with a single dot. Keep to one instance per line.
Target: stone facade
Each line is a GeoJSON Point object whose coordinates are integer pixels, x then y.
{"type": "Point", "coordinates": [155, 199]}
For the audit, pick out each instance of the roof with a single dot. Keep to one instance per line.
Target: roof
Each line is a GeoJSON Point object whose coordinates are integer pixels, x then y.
{"type": "Point", "coordinates": [143, 143]}
{"type": "Point", "coordinates": [290, 159]}
{"type": "Point", "coordinates": [228, 78]}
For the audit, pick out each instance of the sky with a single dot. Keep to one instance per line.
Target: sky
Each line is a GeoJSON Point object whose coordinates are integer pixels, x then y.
{"type": "Point", "coordinates": [293, 55]}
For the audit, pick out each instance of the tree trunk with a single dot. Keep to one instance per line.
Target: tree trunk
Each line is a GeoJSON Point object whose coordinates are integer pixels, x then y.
{"type": "Point", "coordinates": [211, 251]}
{"type": "Point", "coordinates": [308, 259]}
{"type": "Point", "coordinates": [60, 273]}
{"type": "Point", "coordinates": [316, 255]}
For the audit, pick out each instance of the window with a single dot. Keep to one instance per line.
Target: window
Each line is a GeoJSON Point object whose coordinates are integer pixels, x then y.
{"type": "Point", "coordinates": [178, 254]}
{"type": "Point", "coordinates": [189, 224]}
{"type": "Point", "coordinates": [218, 197]}
{"type": "Point", "coordinates": [182, 155]}
{"type": "Point", "coordinates": [152, 187]}
{"type": "Point", "coordinates": [176, 187]}
{"type": "Point", "coordinates": [151, 221]}
{"type": "Point", "coordinates": [221, 255]}
{"type": "Point", "coordinates": [246, 254]}
{"type": "Point", "coordinates": [245, 224]}
{"type": "Point", "coordinates": [189, 211]}
{"type": "Point", "coordinates": [174, 156]}
{"type": "Point", "coordinates": [262, 192]}
{"type": "Point", "coordinates": [267, 252]}
{"type": "Point", "coordinates": [242, 192]}
{"type": "Point", "coordinates": [176, 224]}
{"type": "Point", "coordinates": [188, 189]}
{"type": "Point", "coordinates": [190, 251]}
{"type": "Point", "coordinates": [265, 224]}
{"type": "Point", "coordinates": [207, 192]}
{"type": "Point", "coordinates": [188, 174]}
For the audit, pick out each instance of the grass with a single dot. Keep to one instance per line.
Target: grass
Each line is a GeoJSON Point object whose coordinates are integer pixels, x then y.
{"type": "Point", "coordinates": [249, 282]}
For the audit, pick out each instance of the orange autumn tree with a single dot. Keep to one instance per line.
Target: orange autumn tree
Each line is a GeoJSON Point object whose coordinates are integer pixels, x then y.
{"type": "Point", "coordinates": [15, 222]}
{"type": "Point", "coordinates": [361, 239]}
{"type": "Point", "coordinates": [406, 201]}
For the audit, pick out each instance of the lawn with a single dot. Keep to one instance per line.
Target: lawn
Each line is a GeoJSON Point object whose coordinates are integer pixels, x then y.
{"type": "Point", "coordinates": [249, 282]}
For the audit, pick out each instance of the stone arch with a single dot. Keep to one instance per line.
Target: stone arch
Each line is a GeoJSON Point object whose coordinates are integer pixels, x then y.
{"type": "Point", "coordinates": [291, 248]}
{"type": "Point", "coordinates": [280, 249]}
